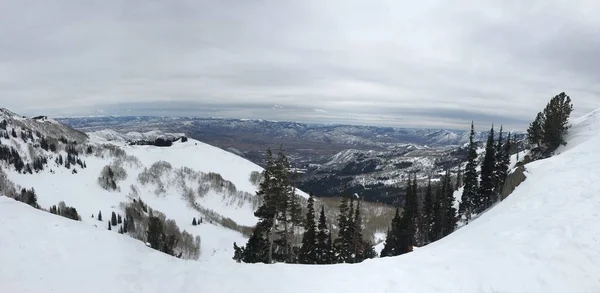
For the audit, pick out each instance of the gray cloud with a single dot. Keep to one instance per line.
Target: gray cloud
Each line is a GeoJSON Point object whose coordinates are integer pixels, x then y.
{"type": "Point", "coordinates": [426, 64]}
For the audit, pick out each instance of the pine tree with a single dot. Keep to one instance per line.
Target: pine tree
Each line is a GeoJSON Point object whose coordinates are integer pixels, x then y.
{"type": "Point", "coordinates": [109, 226]}
{"type": "Point", "coordinates": [194, 222]}
{"type": "Point", "coordinates": [471, 188]}
{"type": "Point", "coordinates": [341, 244]}
{"type": "Point", "coordinates": [155, 233]}
{"type": "Point", "coordinates": [449, 211]}
{"type": "Point", "coordinates": [411, 207]}
{"type": "Point", "coordinates": [487, 184]}
{"type": "Point", "coordinates": [100, 216]}
{"type": "Point", "coordinates": [397, 241]}
{"type": "Point", "coordinates": [549, 128]}
{"type": "Point", "coordinates": [458, 179]}
{"type": "Point", "coordinates": [323, 249]}
{"type": "Point", "coordinates": [428, 213]}
{"type": "Point", "coordinates": [502, 164]}
{"type": "Point", "coordinates": [360, 247]}
{"type": "Point", "coordinates": [119, 219]}
{"type": "Point", "coordinates": [259, 247]}
{"type": "Point", "coordinates": [309, 241]}
{"type": "Point", "coordinates": [113, 219]}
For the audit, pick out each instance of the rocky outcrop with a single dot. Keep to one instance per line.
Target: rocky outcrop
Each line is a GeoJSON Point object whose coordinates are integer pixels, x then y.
{"type": "Point", "coordinates": [516, 177]}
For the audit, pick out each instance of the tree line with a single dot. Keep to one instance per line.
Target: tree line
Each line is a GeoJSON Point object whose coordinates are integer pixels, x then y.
{"type": "Point", "coordinates": [280, 219]}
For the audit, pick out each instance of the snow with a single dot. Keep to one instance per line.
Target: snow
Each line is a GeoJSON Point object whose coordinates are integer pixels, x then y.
{"type": "Point", "coordinates": [544, 237]}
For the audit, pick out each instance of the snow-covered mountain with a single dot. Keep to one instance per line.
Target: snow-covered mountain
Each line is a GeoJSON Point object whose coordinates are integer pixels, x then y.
{"type": "Point", "coordinates": [187, 180]}
{"type": "Point", "coordinates": [377, 158]}
{"type": "Point", "coordinates": [542, 238]}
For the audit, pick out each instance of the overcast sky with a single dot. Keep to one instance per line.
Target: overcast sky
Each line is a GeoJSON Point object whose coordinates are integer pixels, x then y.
{"type": "Point", "coordinates": [398, 63]}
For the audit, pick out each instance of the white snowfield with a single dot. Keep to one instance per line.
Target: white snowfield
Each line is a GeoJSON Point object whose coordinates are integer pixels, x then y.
{"type": "Point", "coordinates": [545, 237]}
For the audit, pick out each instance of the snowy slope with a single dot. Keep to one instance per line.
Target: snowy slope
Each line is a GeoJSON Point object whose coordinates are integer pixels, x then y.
{"type": "Point", "coordinates": [544, 237]}
{"type": "Point", "coordinates": [227, 192]}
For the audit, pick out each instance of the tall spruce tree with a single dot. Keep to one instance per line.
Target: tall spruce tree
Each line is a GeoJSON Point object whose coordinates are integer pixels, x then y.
{"type": "Point", "coordinates": [458, 178]}
{"type": "Point", "coordinates": [360, 247]}
{"type": "Point", "coordinates": [397, 241]}
{"type": "Point", "coordinates": [341, 244]}
{"type": "Point", "coordinates": [259, 245]}
{"type": "Point", "coordinates": [428, 212]}
{"type": "Point", "coordinates": [113, 219]}
{"type": "Point", "coordinates": [487, 184]}
{"type": "Point", "coordinates": [470, 182]}
{"type": "Point", "coordinates": [309, 240]}
{"type": "Point", "coordinates": [323, 253]}
{"type": "Point", "coordinates": [502, 164]}
{"type": "Point", "coordinates": [410, 212]}
{"type": "Point", "coordinates": [449, 211]}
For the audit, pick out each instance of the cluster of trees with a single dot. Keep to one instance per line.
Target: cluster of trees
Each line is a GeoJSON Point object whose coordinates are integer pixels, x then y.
{"type": "Point", "coordinates": [29, 197]}
{"type": "Point", "coordinates": [10, 155]}
{"type": "Point", "coordinates": [160, 142]}
{"type": "Point", "coordinates": [481, 193]}
{"type": "Point", "coordinates": [158, 232]}
{"type": "Point", "coordinates": [280, 217]}
{"type": "Point", "coordinates": [195, 223]}
{"type": "Point", "coordinates": [546, 133]}
{"type": "Point", "coordinates": [65, 211]}
{"type": "Point", "coordinates": [110, 175]}
{"type": "Point", "coordinates": [428, 215]}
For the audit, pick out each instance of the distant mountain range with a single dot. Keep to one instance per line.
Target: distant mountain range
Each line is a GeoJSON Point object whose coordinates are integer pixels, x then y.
{"type": "Point", "coordinates": [369, 160]}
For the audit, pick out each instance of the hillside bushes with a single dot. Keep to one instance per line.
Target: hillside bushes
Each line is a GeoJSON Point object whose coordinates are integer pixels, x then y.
{"type": "Point", "coordinates": [152, 227]}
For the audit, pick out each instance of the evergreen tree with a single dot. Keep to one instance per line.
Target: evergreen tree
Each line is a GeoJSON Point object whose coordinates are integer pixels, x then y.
{"type": "Point", "coordinates": [471, 188]}
{"type": "Point", "coordinates": [100, 216]}
{"type": "Point", "coordinates": [502, 164]}
{"type": "Point", "coordinates": [549, 128]}
{"type": "Point", "coordinates": [323, 248]}
{"type": "Point", "coordinates": [309, 240]}
{"type": "Point", "coordinates": [113, 219]}
{"type": "Point", "coordinates": [109, 226]}
{"type": "Point", "coordinates": [428, 213]}
{"type": "Point", "coordinates": [155, 233]}
{"type": "Point", "coordinates": [194, 222]}
{"type": "Point", "coordinates": [397, 241]}
{"type": "Point", "coordinates": [341, 244]}
{"type": "Point", "coordinates": [410, 212]}
{"type": "Point", "coordinates": [119, 219]}
{"type": "Point", "coordinates": [449, 211]}
{"type": "Point", "coordinates": [271, 238]}
{"type": "Point", "coordinates": [487, 184]}
{"type": "Point", "coordinates": [458, 179]}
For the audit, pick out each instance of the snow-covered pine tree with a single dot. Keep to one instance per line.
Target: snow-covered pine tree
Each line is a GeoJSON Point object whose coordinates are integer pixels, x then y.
{"type": "Point", "coordinates": [323, 247]}
{"type": "Point", "coordinates": [448, 205]}
{"type": "Point", "coordinates": [100, 216]}
{"type": "Point", "coordinates": [341, 244]}
{"type": "Point", "coordinates": [411, 207]}
{"type": "Point", "coordinates": [487, 184]}
{"type": "Point", "coordinates": [469, 180]}
{"type": "Point", "coordinates": [309, 241]}
{"type": "Point", "coordinates": [428, 213]}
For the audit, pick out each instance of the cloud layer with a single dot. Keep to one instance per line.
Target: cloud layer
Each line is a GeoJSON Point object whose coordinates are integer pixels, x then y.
{"type": "Point", "coordinates": [398, 63]}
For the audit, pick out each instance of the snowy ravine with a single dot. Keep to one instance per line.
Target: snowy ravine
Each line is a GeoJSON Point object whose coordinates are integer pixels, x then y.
{"type": "Point", "coordinates": [545, 237]}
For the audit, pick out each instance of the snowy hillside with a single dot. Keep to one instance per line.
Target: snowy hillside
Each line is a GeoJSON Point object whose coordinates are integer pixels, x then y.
{"type": "Point", "coordinates": [544, 237]}
{"type": "Point", "coordinates": [185, 181]}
